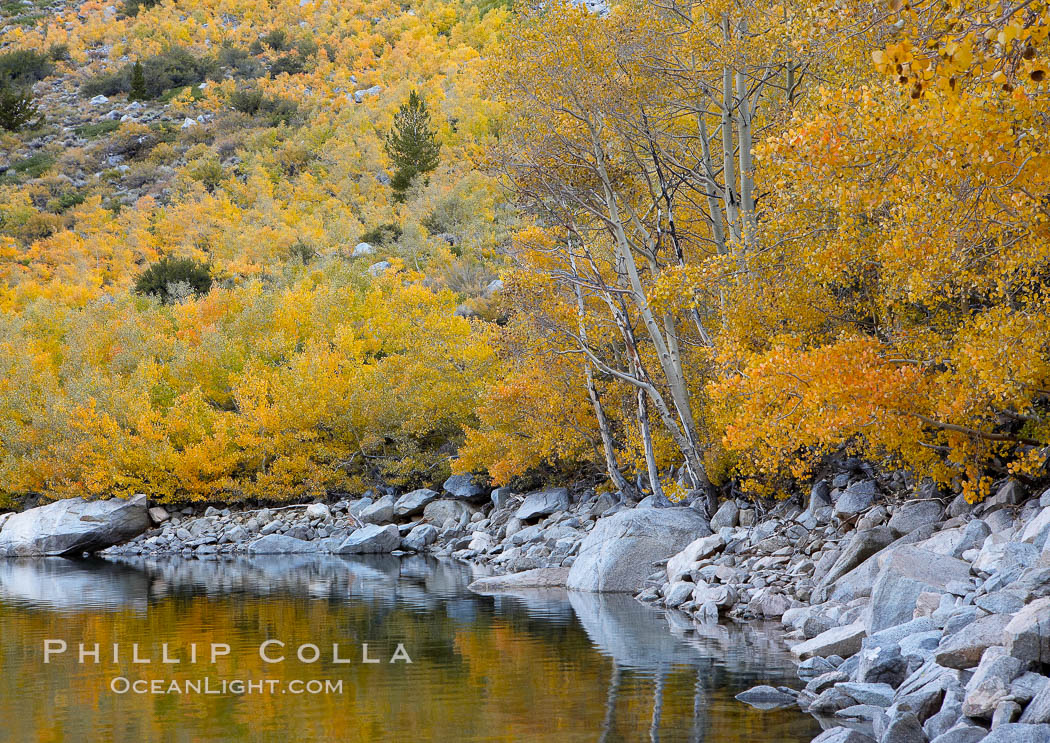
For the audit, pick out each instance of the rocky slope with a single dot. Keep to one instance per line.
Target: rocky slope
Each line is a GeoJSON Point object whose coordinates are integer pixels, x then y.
{"type": "Point", "coordinates": [916, 621]}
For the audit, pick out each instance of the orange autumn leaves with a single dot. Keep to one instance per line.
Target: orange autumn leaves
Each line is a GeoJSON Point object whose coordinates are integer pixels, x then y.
{"type": "Point", "coordinates": [892, 299]}
{"type": "Point", "coordinates": [882, 289]}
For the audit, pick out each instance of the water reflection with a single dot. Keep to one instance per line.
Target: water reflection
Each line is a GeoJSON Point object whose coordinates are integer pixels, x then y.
{"type": "Point", "coordinates": [536, 665]}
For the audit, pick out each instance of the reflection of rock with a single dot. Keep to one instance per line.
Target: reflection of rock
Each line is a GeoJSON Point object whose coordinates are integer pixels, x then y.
{"type": "Point", "coordinates": [58, 583]}
{"type": "Point", "coordinates": [319, 576]}
{"type": "Point", "coordinates": [629, 632]}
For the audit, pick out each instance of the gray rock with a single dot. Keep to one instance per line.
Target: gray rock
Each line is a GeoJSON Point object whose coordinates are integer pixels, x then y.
{"type": "Point", "coordinates": [603, 503]}
{"type": "Point", "coordinates": [73, 526]}
{"type": "Point", "coordinates": [903, 728]}
{"type": "Point", "coordinates": [997, 549]}
{"type": "Point", "coordinates": [413, 503]}
{"type": "Point", "coordinates": [380, 512]}
{"type": "Point", "coordinates": [1016, 558]}
{"type": "Point", "coordinates": [1035, 531]}
{"type": "Point", "coordinates": [948, 715]}
{"type": "Point", "coordinates": [919, 648]}
{"type": "Point", "coordinates": [924, 690]}
{"type": "Point", "coordinates": [768, 603]}
{"type": "Point", "coordinates": [838, 641]}
{"type": "Point", "coordinates": [881, 664]}
{"type": "Point", "coordinates": [813, 667]}
{"type": "Point", "coordinates": [1016, 732]}
{"type": "Point", "coordinates": [543, 503]}
{"type": "Point", "coordinates": [440, 511]}
{"type": "Point", "coordinates": [359, 505]}
{"type": "Point", "coordinates": [963, 649]}
{"type": "Point", "coordinates": [1010, 493]}
{"type": "Point", "coordinates": [360, 95]}
{"type": "Point", "coordinates": [727, 515]}
{"type": "Point", "coordinates": [973, 536]}
{"type": "Point", "coordinates": [879, 695]}
{"type": "Point", "coordinates": [958, 617]}
{"type": "Point", "coordinates": [1028, 633]}
{"type": "Point", "coordinates": [914, 514]}
{"type": "Point", "coordinates": [905, 573]}
{"type": "Point", "coordinates": [236, 533]}
{"type": "Point", "coordinates": [860, 713]}
{"type": "Point", "coordinates": [1026, 687]}
{"type": "Point", "coordinates": [272, 527]}
{"type": "Point", "coordinates": [843, 735]}
{"type": "Point", "coordinates": [1000, 602]}
{"type": "Point", "coordinates": [819, 497]}
{"type": "Point", "coordinates": [861, 546]}
{"type": "Point", "coordinates": [1000, 521]}
{"type": "Point", "coordinates": [962, 733]}
{"type": "Point", "coordinates": [421, 536]}
{"type": "Point", "coordinates": [159, 514]}
{"type": "Point", "coordinates": [536, 578]}
{"type": "Point", "coordinates": [958, 506]}
{"type": "Point", "coordinates": [858, 582]}
{"type": "Point", "coordinates": [1005, 712]}
{"type": "Point", "coordinates": [465, 487]}
{"type": "Point", "coordinates": [279, 544]}
{"type": "Point", "coordinates": [722, 597]}
{"type": "Point", "coordinates": [1038, 710]}
{"type": "Point", "coordinates": [379, 267]}
{"type": "Point", "coordinates": [318, 511]}
{"type": "Point", "coordinates": [858, 497]}
{"type": "Point", "coordinates": [830, 701]}
{"type": "Point", "coordinates": [678, 593]}
{"type": "Point", "coordinates": [501, 497]}
{"type": "Point", "coordinates": [698, 549]}
{"type": "Point", "coordinates": [619, 552]}
{"type": "Point", "coordinates": [825, 681]}
{"type": "Point", "coordinates": [299, 531]}
{"type": "Point", "coordinates": [990, 683]}
{"type": "Point", "coordinates": [480, 541]}
{"type": "Point", "coordinates": [766, 697]}
{"type": "Point", "coordinates": [371, 538]}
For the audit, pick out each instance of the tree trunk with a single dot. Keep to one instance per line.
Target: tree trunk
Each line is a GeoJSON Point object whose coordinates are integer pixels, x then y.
{"type": "Point", "coordinates": [608, 445]}
{"type": "Point", "coordinates": [670, 364]}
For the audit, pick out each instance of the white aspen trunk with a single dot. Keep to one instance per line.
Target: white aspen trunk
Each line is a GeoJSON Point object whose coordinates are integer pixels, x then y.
{"type": "Point", "coordinates": [647, 445]}
{"type": "Point", "coordinates": [718, 233]}
{"type": "Point", "coordinates": [639, 379]}
{"type": "Point", "coordinates": [747, 181]}
{"type": "Point", "coordinates": [670, 365]}
{"type": "Point", "coordinates": [728, 151]}
{"type": "Point", "coordinates": [612, 467]}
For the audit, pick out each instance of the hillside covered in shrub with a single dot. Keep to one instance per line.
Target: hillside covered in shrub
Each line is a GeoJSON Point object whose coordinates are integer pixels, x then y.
{"type": "Point", "coordinates": [274, 249]}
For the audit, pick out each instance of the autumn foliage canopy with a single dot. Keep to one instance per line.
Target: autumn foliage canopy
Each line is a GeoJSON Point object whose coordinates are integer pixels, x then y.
{"type": "Point", "coordinates": [735, 240]}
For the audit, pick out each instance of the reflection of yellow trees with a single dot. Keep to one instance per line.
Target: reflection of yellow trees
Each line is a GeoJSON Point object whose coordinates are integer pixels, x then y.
{"type": "Point", "coordinates": [508, 678]}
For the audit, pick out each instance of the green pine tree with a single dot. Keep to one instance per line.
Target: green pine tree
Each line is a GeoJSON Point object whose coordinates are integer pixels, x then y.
{"type": "Point", "coordinates": [411, 144]}
{"type": "Point", "coordinates": [18, 110]}
{"type": "Point", "coordinates": [138, 84]}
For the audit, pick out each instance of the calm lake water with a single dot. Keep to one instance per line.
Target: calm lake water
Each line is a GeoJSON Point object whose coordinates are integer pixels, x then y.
{"type": "Point", "coordinates": [535, 666]}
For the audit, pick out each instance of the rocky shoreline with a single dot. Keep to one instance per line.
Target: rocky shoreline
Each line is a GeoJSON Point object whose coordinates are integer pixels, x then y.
{"type": "Point", "coordinates": [914, 617]}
